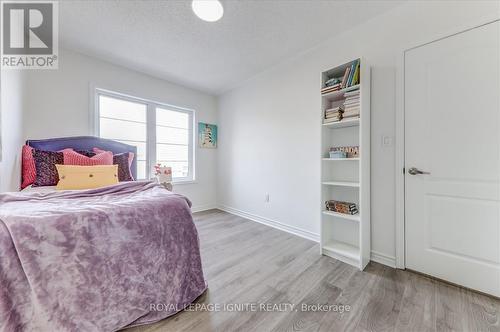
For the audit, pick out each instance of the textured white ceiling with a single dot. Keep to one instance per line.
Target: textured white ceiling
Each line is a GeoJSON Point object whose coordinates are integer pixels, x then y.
{"type": "Point", "coordinates": [165, 39]}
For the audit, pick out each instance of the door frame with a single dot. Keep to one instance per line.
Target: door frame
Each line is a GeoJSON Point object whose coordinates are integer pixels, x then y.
{"type": "Point", "coordinates": [400, 238]}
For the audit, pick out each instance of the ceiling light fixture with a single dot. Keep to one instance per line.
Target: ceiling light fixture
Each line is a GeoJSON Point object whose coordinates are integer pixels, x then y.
{"type": "Point", "coordinates": [208, 10]}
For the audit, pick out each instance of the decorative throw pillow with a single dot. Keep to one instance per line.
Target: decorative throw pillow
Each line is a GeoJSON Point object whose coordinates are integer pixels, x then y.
{"type": "Point", "coordinates": [86, 153]}
{"type": "Point", "coordinates": [124, 162]}
{"type": "Point", "coordinates": [72, 157]}
{"type": "Point", "coordinates": [45, 165]}
{"type": "Point", "coordinates": [28, 167]}
{"type": "Point", "coordinates": [86, 177]}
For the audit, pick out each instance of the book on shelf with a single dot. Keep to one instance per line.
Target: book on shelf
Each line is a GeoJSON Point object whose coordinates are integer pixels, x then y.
{"type": "Point", "coordinates": [350, 117]}
{"type": "Point", "coordinates": [354, 93]}
{"type": "Point", "coordinates": [333, 109]}
{"type": "Point", "coordinates": [348, 110]}
{"type": "Point", "coordinates": [356, 73]}
{"type": "Point", "coordinates": [341, 207]}
{"type": "Point", "coordinates": [352, 98]}
{"type": "Point", "coordinates": [351, 103]}
{"type": "Point", "coordinates": [351, 74]}
{"type": "Point", "coordinates": [332, 88]}
{"type": "Point", "coordinates": [346, 77]}
{"type": "Point", "coordinates": [329, 87]}
{"type": "Point", "coordinates": [350, 113]}
{"type": "Point", "coordinates": [331, 118]}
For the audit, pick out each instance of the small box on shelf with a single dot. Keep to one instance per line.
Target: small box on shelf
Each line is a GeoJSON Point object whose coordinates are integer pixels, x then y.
{"type": "Point", "coordinates": [338, 154]}
{"type": "Point", "coordinates": [347, 151]}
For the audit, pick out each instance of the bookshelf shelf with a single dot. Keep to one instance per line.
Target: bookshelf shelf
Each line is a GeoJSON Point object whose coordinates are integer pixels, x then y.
{"type": "Point", "coordinates": [346, 237]}
{"type": "Point", "coordinates": [341, 159]}
{"type": "Point", "coordinates": [342, 251]}
{"type": "Point", "coordinates": [335, 95]}
{"type": "Point", "coordinates": [341, 183]}
{"type": "Point", "coordinates": [342, 124]}
{"type": "Point", "coordinates": [354, 217]}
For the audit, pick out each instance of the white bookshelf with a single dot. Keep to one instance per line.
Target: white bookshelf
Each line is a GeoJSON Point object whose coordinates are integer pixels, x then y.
{"type": "Point", "coordinates": [346, 237]}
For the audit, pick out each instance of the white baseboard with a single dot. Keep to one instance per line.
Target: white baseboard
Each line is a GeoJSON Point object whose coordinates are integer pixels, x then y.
{"type": "Point", "coordinates": [375, 256]}
{"type": "Point", "coordinates": [272, 223]}
{"type": "Point", "coordinates": [199, 208]}
{"type": "Point", "coordinates": [383, 259]}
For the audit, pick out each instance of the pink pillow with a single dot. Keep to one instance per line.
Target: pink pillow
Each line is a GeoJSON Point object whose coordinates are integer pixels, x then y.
{"type": "Point", "coordinates": [130, 155]}
{"type": "Point", "coordinates": [28, 167]}
{"type": "Point", "coordinates": [72, 157]}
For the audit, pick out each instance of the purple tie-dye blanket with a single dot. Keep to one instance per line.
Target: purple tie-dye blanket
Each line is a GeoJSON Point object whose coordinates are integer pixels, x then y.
{"type": "Point", "coordinates": [96, 260]}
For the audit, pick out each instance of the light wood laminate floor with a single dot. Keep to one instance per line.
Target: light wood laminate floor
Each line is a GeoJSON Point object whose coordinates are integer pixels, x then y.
{"type": "Point", "coordinates": [246, 263]}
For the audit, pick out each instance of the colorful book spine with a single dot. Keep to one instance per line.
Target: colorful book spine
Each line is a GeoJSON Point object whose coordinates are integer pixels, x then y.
{"type": "Point", "coordinates": [346, 77]}
{"type": "Point", "coordinates": [356, 74]}
{"type": "Point", "coordinates": [351, 74]}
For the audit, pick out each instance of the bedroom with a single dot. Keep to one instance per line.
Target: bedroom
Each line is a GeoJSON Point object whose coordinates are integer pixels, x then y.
{"type": "Point", "coordinates": [248, 108]}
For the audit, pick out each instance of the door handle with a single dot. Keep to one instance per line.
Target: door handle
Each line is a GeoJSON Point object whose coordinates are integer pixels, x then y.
{"type": "Point", "coordinates": [416, 171]}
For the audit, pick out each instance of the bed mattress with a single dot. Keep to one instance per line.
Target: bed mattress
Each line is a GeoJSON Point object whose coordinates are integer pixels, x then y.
{"type": "Point", "coordinates": [96, 260]}
{"type": "Point", "coordinates": [31, 189]}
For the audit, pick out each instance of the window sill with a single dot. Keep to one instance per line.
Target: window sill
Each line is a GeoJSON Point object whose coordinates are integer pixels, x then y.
{"type": "Point", "coordinates": [181, 182]}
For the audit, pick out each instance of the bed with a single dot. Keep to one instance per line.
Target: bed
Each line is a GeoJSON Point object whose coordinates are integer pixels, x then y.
{"type": "Point", "coordinates": [99, 259]}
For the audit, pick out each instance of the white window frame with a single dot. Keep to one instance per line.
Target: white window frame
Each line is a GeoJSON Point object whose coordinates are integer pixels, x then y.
{"type": "Point", "coordinates": [151, 107]}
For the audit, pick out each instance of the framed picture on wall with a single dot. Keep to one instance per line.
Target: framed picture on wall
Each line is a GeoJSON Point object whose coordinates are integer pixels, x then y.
{"type": "Point", "coordinates": [207, 135]}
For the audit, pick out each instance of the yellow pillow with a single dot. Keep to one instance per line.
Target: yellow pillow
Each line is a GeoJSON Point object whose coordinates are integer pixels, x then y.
{"type": "Point", "coordinates": [86, 177]}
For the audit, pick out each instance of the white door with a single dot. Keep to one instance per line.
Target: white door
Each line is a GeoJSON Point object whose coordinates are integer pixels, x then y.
{"type": "Point", "coordinates": [452, 131]}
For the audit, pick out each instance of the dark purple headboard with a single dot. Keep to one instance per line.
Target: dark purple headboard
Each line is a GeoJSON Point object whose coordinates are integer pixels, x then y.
{"type": "Point", "coordinates": [85, 143]}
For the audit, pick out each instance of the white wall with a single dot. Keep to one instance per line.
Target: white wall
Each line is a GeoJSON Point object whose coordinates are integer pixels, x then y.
{"type": "Point", "coordinates": [11, 138]}
{"type": "Point", "coordinates": [269, 126]}
{"type": "Point", "coordinates": [58, 104]}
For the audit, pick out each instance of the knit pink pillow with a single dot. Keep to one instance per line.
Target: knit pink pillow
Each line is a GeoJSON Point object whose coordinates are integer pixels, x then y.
{"type": "Point", "coordinates": [72, 157]}
{"type": "Point", "coordinates": [28, 167]}
{"type": "Point", "coordinates": [130, 155]}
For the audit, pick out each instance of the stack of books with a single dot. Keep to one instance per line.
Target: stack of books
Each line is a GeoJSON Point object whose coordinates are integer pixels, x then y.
{"type": "Point", "coordinates": [341, 207]}
{"type": "Point", "coordinates": [351, 75]}
{"type": "Point", "coordinates": [351, 105]}
{"type": "Point", "coordinates": [333, 115]}
{"type": "Point", "coordinates": [331, 88]}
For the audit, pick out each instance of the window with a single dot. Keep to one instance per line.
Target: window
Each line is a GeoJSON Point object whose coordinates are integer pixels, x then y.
{"type": "Point", "coordinates": [162, 133]}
